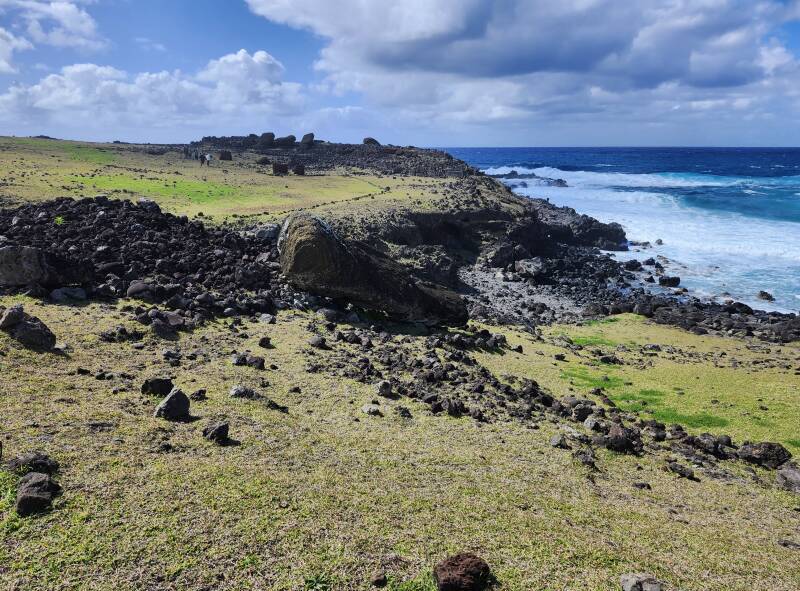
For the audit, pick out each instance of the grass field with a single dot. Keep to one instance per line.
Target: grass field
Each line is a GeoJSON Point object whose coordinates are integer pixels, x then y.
{"type": "Point", "coordinates": [36, 169]}
{"type": "Point", "coordinates": [321, 497]}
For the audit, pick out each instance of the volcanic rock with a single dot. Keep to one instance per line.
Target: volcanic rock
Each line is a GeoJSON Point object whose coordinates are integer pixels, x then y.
{"type": "Point", "coordinates": [371, 141]}
{"type": "Point", "coordinates": [22, 266]}
{"type": "Point", "coordinates": [766, 454]}
{"type": "Point", "coordinates": [316, 259]}
{"type": "Point", "coordinates": [175, 407]}
{"type": "Point", "coordinates": [788, 477]}
{"type": "Point", "coordinates": [28, 330]}
{"type": "Point", "coordinates": [33, 462]}
{"type": "Point", "coordinates": [217, 432]}
{"type": "Point", "coordinates": [157, 386]}
{"type": "Point", "coordinates": [35, 493]}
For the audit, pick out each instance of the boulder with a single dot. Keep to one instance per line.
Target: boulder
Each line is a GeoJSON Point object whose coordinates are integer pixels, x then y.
{"type": "Point", "coordinates": [175, 407]}
{"type": "Point", "coordinates": [27, 330]}
{"type": "Point", "coordinates": [314, 258]}
{"type": "Point", "coordinates": [371, 141]}
{"type": "Point", "coordinates": [667, 281]}
{"type": "Point", "coordinates": [462, 572]}
{"type": "Point", "coordinates": [21, 266]}
{"type": "Point", "coordinates": [307, 141]}
{"type": "Point", "coordinates": [765, 454]}
{"type": "Point", "coordinates": [279, 168]}
{"type": "Point", "coordinates": [35, 493]}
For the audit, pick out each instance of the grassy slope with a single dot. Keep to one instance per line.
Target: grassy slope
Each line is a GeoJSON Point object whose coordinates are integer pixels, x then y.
{"type": "Point", "coordinates": [323, 496]}
{"type": "Point", "coordinates": [34, 169]}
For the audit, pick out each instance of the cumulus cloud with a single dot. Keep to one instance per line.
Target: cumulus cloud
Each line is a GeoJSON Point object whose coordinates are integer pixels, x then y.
{"type": "Point", "coordinates": [467, 61]}
{"type": "Point", "coordinates": [90, 98]}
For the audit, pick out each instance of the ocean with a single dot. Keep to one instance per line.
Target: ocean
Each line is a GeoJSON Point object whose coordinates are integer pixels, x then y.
{"type": "Point", "coordinates": [729, 218]}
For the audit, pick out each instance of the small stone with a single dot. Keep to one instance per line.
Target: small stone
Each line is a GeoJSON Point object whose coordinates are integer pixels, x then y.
{"type": "Point", "coordinates": [640, 582]}
{"type": "Point", "coordinates": [35, 493]}
{"type": "Point", "coordinates": [318, 342]}
{"type": "Point", "coordinates": [372, 410]}
{"type": "Point", "coordinates": [384, 388]}
{"type": "Point", "coordinates": [243, 392]}
{"type": "Point", "coordinates": [217, 432]}
{"type": "Point", "coordinates": [378, 579]}
{"type": "Point", "coordinates": [559, 441]}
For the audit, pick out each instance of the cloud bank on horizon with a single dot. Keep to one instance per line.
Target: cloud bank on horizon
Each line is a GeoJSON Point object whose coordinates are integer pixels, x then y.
{"type": "Point", "coordinates": [430, 72]}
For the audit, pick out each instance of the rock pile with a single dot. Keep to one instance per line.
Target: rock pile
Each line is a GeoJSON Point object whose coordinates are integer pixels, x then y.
{"type": "Point", "coordinates": [135, 250]}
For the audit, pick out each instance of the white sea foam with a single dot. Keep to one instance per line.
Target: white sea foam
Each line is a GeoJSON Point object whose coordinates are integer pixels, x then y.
{"type": "Point", "coordinates": [713, 251]}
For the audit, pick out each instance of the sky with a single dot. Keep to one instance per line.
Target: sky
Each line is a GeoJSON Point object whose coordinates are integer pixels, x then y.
{"type": "Point", "coordinates": [407, 72]}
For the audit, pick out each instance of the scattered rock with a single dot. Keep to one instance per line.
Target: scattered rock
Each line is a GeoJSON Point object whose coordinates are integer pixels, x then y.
{"type": "Point", "coordinates": [27, 330]}
{"type": "Point", "coordinates": [379, 579]}
{"type": "Point", "coordinates": [22, 266]}
{"type": "Point", "coordinates": [766, 296]}
{"type": "Point", "coordinates": [33, 462]}
{"type": "Point", "coordinates": [35, 493]}
{"type": "Point", "coordinates": [788, 477]}
{"type": "Point", "coordinates": [318, 342]}
{"type": "Point", "coordinates": [157, 386]}
{"type": "Point", "coordinates": [243, 392]}
{"type": "Point", "coordinates": [372, 410]}
{"type": "Point", "coordinates": [175, 407]}
{"type": "Point", "coordinates": [766, 454]}
{"type": "Point", "coordinates": [217, 432]}
{"type": "Point", "coordinates": [667, 281]}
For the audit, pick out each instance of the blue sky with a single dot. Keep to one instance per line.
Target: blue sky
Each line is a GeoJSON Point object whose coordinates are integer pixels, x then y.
{"type": "Point", "coordinates": [423, 72]}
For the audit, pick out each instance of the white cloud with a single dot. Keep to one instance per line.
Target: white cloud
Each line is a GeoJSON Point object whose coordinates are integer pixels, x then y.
{"type": "Point", "coordinates": [517, 65]}
{"type": "Point", "coordinates": [61, 24]}
{"type": "Point", "coordinates": [10, 43]}
{"type": "Point", "coordinates": [90, 100]}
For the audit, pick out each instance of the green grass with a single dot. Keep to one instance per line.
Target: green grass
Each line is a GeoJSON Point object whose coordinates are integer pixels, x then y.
{"type": "Point", "coordinates": [195, 191]}
{"type": "Point", "coordinates": [585, 378]}
{"type": "Point", "coordinates": [594, 341]}
{"type": "Point", "coordinates": [89, 154]}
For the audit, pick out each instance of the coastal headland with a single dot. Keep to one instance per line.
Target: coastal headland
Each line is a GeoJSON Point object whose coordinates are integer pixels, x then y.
{"type": "Point", "coordinates": [319, 366]}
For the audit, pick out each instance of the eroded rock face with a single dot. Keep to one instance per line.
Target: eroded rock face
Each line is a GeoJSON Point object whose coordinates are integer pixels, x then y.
{"type": "Point", "coordinates": [462, 572]}
{"type": "Point", "coordinates": [21, 266]}
{"type": "Point", "coordinates": [316, 259]}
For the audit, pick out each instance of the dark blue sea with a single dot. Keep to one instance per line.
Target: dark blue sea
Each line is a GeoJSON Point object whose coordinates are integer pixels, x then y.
{"type": "Point", "coordinates": [729, 217]}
